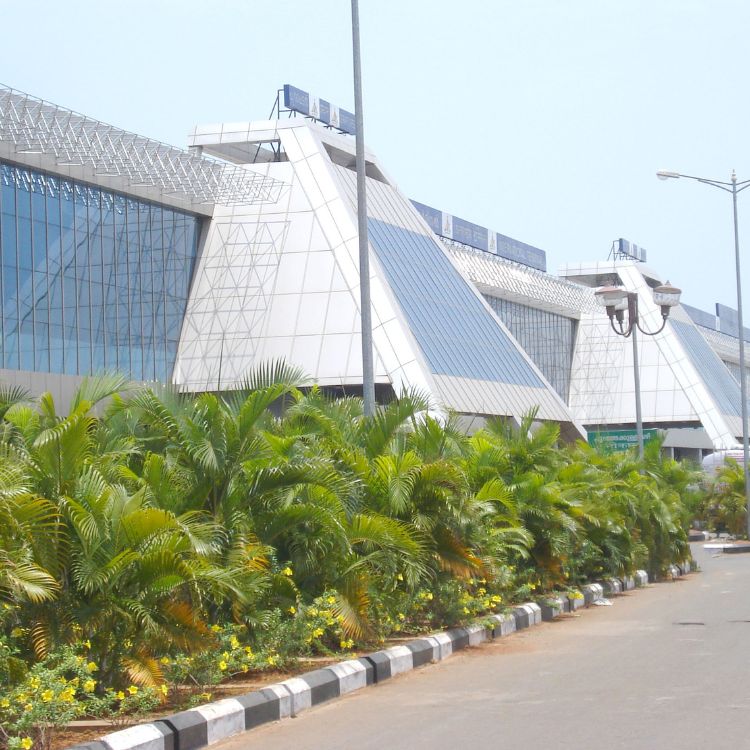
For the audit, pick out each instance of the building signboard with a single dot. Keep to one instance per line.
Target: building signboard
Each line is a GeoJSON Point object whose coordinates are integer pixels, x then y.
{"type": "Point", "coordinates": [306, 104]}
{"type": "Point", "coordinates": [467, 233]}
{"type": "Point", "coordinates": [611, 441]}
{"type": "Point", "coordinates": [629, 249]}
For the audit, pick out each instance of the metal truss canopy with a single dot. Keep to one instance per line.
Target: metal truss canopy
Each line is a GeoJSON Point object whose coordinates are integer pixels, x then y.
{"type": "Point", "coordinates": [33, 126]}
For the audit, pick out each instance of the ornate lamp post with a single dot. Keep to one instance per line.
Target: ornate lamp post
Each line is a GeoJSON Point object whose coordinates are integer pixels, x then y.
{"type": "Point", "coordinates": [617, 300]}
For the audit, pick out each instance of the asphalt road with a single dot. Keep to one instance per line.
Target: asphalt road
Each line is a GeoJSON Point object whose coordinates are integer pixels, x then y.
{"type": "Point", "coordinates": [667, 667]}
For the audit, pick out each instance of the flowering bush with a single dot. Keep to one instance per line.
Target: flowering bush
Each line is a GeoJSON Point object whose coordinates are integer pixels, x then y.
{"type": "Point", "coordinates": [449, 602]}
{"type": "Point", "coordinates": [59, 689]}
{"type": "Point", "coordinates": [229, 657]}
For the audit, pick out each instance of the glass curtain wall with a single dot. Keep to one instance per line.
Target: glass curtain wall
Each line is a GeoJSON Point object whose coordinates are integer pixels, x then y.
{"type": "Point", "coordinates": [90, 280]}
{"type": "Point", "coordinates": [548, 339]}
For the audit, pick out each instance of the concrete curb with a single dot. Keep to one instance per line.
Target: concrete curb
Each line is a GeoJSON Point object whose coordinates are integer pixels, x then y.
{"type": "Point", "coordinates": [205, 725]}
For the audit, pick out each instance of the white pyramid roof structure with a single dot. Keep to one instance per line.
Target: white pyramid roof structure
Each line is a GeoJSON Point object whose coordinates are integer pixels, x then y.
{"type": "Point", "coordinates": [281, 279]}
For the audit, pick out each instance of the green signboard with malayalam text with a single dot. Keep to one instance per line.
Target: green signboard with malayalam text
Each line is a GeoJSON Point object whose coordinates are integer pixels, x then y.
{"type": "Point", "coordinates": [610, 441]}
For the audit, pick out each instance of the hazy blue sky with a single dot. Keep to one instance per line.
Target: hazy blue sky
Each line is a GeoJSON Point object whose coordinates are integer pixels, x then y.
{"type": "Point", "coordinates": [542, 119]}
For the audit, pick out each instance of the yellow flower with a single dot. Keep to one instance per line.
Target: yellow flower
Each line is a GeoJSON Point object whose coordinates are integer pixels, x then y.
{"type": "Point", "coordinates": [216, 628]}
{"type": "Point", "coordinates": [4, 703]}
{"type": "Point", "coordinates": [164, 689]}
{"type": "Point", "coordinates": [233, 642]}
{"type": "Point", "coordinates": [133, 690]}
{"type": "Point", "coordinates": [292, 610]}
{"type": "Point", "coordinates": [47, 696]}
{"type": "Point", "coordinates": [164, 660]}
{"type": "Point", "coordinates": [312, 612]}
{"type": "Point", "coordinates": [223, 665]}
{"type": "Point", "coordinates": [318, 632]}
{"type": "Point", "coordinates": [120, 695]}
{"type": "Point", "coordinates": [16, 632]}
{"type": "Point", "coordinates": [21, 698]}
{"type": "Point", "coordinates": [287, 571]}
{"type": "Point", "coordinates": [67, 695]}
{"type": "Point", "coordinates": [225, 655]}
{"type": "Point", "coordinates": [91, 667]}
{"type": "Point", "coordinates": [87, 643]}
{"type": "Point", "coordinates": [399, 577]}
{"type": "Point", "coordinates": [27, 743]}
{"type": "Point", "coordinates": [89, 685]}
{"type": "Point", "coordinates": [401, 616]}
{"type": "Point", "coordinates": [28, 707]}
{"type": "Point", "coordinates": [272, 660]}
{"type": "Point", "coordinates": [466, 611]}
{"type": "Point", "coordinates": [248, 651]}
{"type": "Point", "coordinates": [429, 596]}
{"type": "Point", "coordinates": [331, 599]}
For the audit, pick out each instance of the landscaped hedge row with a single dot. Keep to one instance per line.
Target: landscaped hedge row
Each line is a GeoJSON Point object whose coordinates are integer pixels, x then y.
{"type": "Point", "coordinates": [153, 543]}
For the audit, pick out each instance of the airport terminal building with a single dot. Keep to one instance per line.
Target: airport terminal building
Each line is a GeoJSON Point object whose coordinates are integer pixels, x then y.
{"type": "Point", "coordinates": [192, 266]}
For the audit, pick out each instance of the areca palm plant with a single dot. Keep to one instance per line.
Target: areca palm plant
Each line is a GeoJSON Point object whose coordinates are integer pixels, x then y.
{"type": "Point", "coordinates": [142, 516]}
{"type": "Point", "coordinates": [121, 572]}
{"type": "Point", "coordinates": [607, 545]}
{"type": "Point", "coordinates": [528, 460]}
{"type": "Point", "coordinates": [726, 503]}
{"type": "Point", "coordinates": [25, 521]}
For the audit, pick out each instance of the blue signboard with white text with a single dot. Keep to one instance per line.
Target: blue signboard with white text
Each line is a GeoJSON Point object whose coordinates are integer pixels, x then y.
{"type": "Point", "coordinates": [467, 233]}
{"type": "Point", "coordinates": [321, 110]}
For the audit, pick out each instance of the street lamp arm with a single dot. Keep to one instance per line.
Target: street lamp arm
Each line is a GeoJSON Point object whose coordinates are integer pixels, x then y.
{"type": "Point", "coordinates": [705, 180]}
{"type": "Point", "coordinates": [721, 184]}
{"type": "Point", "coordinates": [714, 183]}
{"type": "Point", "coordinates": [652, 333]}
{"type": "Point", "coordinates": [621, 332]}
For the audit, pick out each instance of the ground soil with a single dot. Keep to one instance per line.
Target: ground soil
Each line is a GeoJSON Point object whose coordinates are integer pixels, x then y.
{"type": "Point", "coordinates": [87, 730]}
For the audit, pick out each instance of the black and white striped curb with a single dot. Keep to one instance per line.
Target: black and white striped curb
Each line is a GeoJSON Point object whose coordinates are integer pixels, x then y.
{"type": "Point", "coordinates": [204, 725]}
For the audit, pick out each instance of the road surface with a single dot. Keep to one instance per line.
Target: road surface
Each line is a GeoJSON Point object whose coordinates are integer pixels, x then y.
{"type": "Point", "coordinates": [666, 667]}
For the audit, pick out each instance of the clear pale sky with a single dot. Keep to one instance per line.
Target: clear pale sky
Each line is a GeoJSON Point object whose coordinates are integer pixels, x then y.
{"type": "Point", "coordinates": [542, 119]}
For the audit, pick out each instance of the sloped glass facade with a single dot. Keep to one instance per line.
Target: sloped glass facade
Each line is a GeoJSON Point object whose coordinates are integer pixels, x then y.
{"type": "Point", "coordinates": [452, 327]}
{"type": "Point", "coordinates": [716, 377]}
{"type": "Point", "coordinates": [90, 279]}
{"type": "Point", "coordinates": [548, 338]}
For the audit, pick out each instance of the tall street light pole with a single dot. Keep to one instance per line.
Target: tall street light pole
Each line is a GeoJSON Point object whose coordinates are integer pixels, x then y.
{"type": "Point", "coordinates": [732, 187]}
{"type": "Point", "coordinates": [368, 375]}
{"type": "Point", "coordinates": [617, 300]}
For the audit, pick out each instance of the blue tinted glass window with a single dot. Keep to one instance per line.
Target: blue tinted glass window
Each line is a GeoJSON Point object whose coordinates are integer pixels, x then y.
{"type": "Point", "coordinates": [69, 280]}
{"type": "Point", "coordinates": [40, 273]}
{"type": "Point", "coordinates": [90, 279]}
{"type": "Point", "coordinates": [55, 276]}
{"type": "Point", "coordinates": [25, 291]}
{"type": "Point", "coordinates": [724, 389]}
{"type": "Point", "coordinates": [546, 337]}
{"type": "Point", "coordinates": [451, 325]}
